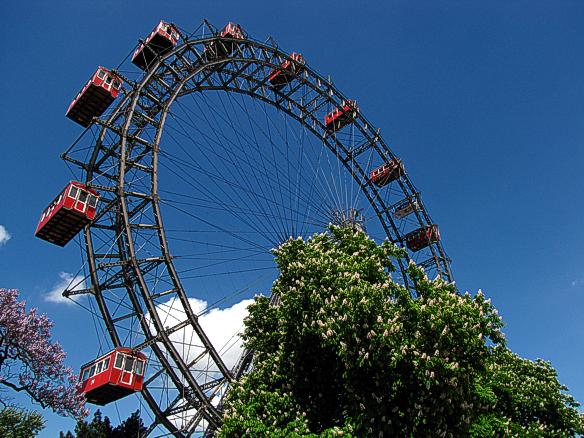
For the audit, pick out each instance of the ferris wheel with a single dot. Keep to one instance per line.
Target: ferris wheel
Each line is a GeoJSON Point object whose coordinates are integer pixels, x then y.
{"type": "Point", "coordinates": [200, 155]}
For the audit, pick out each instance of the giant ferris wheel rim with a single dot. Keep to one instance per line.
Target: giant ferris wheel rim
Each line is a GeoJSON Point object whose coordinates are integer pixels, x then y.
{"type": "Point", "coordinates": [375, 139]}
{"type": "Point", "coordinates": [249, 52]}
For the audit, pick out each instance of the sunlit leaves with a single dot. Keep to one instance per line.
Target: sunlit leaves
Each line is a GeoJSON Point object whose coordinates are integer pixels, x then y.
{"type": "Point", "coordinates": [349, 352]}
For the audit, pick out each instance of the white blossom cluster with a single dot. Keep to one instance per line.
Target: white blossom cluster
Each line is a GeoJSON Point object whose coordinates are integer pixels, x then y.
{"type": "Point", "coordinates": [349, 352]}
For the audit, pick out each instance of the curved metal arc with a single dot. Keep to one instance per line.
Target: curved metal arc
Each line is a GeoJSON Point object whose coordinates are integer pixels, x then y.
{"type": "Point", "coordinates": [310, 127]}
{"type": "Point", "coordinates": [328, 92]}
{"type": "Point", "coordinates": [110, 325]}
{"type": "Point", "coordinates": [361, 177]}
{"type": "Point", "coordinates": [374, 139]}
{"type": "Point", "coordinates": [95, 280]}
{"type": "Point", "coordinates": [383, 150]}
{"type": "Point", "coordinates": [161, 418]}
{"type": "Point", "coordinates": [212, 414]}
{"type": "Point", "coordinates": [164, 244]}
{"type": "Point", "coordinates": [359, 174]}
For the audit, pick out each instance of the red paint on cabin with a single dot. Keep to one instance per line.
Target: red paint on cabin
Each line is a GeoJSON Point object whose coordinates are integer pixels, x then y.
{"type": "Point", "coordinates": [69, 212]}
{"type": "Point", "coordinates": [340, 116]}
{"type": "Point", "coordinates": [222, 49]}
{"type": "Point", "coordinates": [113, 376]}
{"type": "Point", "coordinates": [422, 237]}
{"type": "Point", "coordinates": [387, 172]}
{"type": "Point", "coordinates": [231, 30]}
{"type": "Point", "coordinates": [288, 70]}
{"type": "Point", "coordinates": [95, 97]}
{"type": "Point", "coordinates": [164, 37]}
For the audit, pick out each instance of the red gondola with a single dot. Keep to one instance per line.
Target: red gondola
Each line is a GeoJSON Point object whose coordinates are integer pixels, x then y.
{"type": "Point", "coordinates": [222, 49]}
{"type": "Point", "coordinates": [340, 116]}
{"type": "Point", "coordinates": [422, 237]}
{"type": "Point", "coordinates": [67, 215]}
{"type": "Point", "coordinates": [95, 97]}
{"type": "Point", "coordinates": [113, 376]}
{"type": "Point", "coordinates": [387, 172]}
{"type": "Point", "coordinates": [405, 208]}
{"type": "Point", "coordinates": [164, 37]}
{"type": "Point", "coordinates": [288, 70]}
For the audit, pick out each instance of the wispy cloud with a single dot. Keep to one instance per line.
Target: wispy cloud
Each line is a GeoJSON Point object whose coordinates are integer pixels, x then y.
{"type": "Point", "coordinates": [68, 281]}
{"type": "Point", "coordinates": [4, 235]}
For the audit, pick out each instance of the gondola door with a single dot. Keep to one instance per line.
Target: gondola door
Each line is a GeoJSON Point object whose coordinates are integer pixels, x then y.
{"type": "Point", "coordinates": [81, 204]}
{"type": "Point", "coordinates": [127, 376]}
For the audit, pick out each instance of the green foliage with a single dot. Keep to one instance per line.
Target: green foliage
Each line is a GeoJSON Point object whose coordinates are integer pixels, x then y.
{"type": "Point", "coordinates": [524, 398]}
{"type": "Point", "coordinates": [349, 352]}
{"type": "Point", "coordinates": [98, 427]}
{"type": "Point", "coordinates": [16, 423]}
{"type": "Point", "coordinates": [130, 427]}
{"type": "Point", "coordinates": [101, 427]}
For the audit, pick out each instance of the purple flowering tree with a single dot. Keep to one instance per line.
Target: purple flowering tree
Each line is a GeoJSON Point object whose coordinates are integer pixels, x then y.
{"type": "Point", "coordinates": [31, 362]}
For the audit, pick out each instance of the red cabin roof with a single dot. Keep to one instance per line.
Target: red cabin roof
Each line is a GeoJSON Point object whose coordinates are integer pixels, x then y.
{"type": "Point", "coordinates": [288, 70]}
{"type": "Point", "coordinates": [95, 97]}
{"type": "Point", "coordinates": [422, 237]}
{"type": "Point", "coordinates": [232, 30]}
{"type": "Point", "coordinates": [341, 116]}
{"type": "Point", "coordinates": [113, 376]}
{"type": "Point", "coordinates": [69, 212]}
{"type": "Point", "coordinates": [162, 38]}
{"type": "Point", "coordinates": [222, 49]}
{"type": "Point", "coordinates": [387, 172]}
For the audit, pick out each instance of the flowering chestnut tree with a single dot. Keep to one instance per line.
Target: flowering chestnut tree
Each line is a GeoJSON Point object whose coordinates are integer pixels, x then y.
{"type": "Point", "coordinates": [350, 352]}
{"type": "Point", "coordinates": [519, 397]}
{"type": "Point", "coordinates": [31, 362]}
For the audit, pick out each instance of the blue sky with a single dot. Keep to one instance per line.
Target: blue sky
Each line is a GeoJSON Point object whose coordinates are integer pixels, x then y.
{"type": "Point", "coordinates": [483, 101]}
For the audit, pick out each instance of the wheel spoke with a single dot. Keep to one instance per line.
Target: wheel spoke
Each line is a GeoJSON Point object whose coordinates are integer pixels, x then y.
{"type": "Point", "coordinates": [204, 168]}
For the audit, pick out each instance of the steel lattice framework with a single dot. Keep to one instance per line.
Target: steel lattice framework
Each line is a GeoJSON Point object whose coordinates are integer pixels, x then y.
{"type": "Point", "coordinates": [130, 266]}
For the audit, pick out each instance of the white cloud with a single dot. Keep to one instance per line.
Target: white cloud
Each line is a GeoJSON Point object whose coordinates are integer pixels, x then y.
{"type": "Point", "coordinates": [4, 235]}
{"type": "Point", "coordinates": [222, 326]}
{"type": "Point", "coordinates": [68, 281]}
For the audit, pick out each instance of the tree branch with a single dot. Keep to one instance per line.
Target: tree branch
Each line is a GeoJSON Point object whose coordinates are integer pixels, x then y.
{"type": "Point", "coordinates": [25, 389]}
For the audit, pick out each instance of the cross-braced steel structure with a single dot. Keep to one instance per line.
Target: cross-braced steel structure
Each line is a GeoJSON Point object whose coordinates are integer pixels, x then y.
{"type": "Point", "coordinates": [281, 167]}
